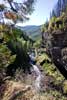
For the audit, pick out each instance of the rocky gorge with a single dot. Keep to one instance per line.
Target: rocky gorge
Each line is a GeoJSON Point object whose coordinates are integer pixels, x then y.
{"type": "Point", "coordinates": [55, 40]}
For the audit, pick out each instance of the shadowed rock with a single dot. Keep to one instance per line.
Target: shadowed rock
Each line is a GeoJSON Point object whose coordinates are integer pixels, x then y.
{"type": "Point", "coordinates": [57, 49]}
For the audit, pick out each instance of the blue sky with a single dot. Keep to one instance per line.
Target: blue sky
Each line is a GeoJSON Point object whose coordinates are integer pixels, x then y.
{"type": "Point", "coordinates": [41, 13]}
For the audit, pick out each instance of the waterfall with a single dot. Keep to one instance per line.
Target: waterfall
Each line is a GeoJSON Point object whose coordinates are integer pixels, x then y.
{"type": "Point", "coordinates": [37, 81]}
{"type": "Point", "coordinates": [37, 72]}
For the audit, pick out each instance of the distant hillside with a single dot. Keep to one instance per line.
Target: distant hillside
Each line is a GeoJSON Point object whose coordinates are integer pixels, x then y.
{"type": "Point", "coordinates": [33, 31]}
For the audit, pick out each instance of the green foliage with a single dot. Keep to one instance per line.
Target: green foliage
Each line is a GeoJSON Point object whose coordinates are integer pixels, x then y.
{"type": "Point", "coordinates": [65, 87]}
{"type": "Point", "coordinates": [55, 23]}
{"type": "Point", "coordinates": [44, 27]}
{"type": "Point", "coordinates": [51, 70]}
{"type": "Point", "coordinates": [17, 32]}
{"type": "Point", "coordinates": [37, 44]}
{"type": "Point", "coordinates": [52, 24]}
{"type": "Point", "coordinates": [14, 46]}
{"type": "Point", "coordinates": [5, 56]}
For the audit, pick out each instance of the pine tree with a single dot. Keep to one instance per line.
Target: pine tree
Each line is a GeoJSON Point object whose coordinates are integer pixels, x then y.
{"type": "Point", "coordinates": [16, 11]}
{"type": "Point", "coordinates": [13, 39]}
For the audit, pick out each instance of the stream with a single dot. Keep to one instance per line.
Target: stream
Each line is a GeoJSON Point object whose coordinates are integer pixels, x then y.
{"type": "Point", "coordinates": [37, 73]}
{"type": "Point", "coordinates": [37, 81]}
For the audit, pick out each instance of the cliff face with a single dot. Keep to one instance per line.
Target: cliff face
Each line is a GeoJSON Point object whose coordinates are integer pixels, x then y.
{"type": "Point", "coordinates": [57, 48]}
{"type": "Point", "coordinates": [60, 6]}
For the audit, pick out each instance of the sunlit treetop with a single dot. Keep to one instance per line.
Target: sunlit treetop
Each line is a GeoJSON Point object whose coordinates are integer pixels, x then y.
{"type": "Point", "coordinates": [16, 10]}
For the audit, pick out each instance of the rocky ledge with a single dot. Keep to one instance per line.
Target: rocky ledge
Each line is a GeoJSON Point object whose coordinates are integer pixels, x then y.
{"type": "Point", "coordinates": [56, 44]}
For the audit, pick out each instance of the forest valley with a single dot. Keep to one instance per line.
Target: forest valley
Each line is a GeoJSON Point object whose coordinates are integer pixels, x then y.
{"type": "Point", "coordinates": [32, 69]}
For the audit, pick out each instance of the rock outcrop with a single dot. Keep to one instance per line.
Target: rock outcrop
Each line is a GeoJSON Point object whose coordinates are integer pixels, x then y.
{"type": "Point", "coordinates": [57, 48]}
{"type": "Point", "coordinates": [55, 40]}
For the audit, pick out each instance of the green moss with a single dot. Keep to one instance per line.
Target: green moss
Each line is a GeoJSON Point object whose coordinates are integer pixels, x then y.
{"type": "Point", "coordinates": [51, 70]}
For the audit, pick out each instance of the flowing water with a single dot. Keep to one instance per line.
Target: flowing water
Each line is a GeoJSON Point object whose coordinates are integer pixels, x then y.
{"type": "Point", "coordinates": [38, 80]}
{"type": "Point", "coordinates": [37, 74]}
{"type": "Point", "coordinates": [38, 77]}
